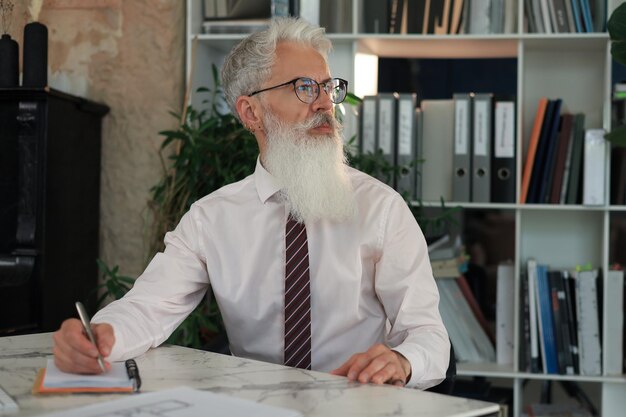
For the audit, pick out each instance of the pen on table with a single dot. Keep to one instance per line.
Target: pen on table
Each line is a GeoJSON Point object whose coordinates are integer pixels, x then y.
{"type": "Point", "coordinates": [133, 373]}
{"type": "Point", "coordinates": [84, 318]}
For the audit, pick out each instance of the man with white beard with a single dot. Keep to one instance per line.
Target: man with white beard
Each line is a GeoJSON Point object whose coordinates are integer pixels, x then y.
{"type": "Point", "coordinates": [313, 264]}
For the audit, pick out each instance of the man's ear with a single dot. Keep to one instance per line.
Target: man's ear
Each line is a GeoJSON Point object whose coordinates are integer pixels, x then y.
{"type": "Point", "coordinates": [249, 112]}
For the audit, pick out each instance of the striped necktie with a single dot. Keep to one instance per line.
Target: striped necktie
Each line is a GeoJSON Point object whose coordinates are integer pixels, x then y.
{"type": "Point", "coordinates": [297, 297]}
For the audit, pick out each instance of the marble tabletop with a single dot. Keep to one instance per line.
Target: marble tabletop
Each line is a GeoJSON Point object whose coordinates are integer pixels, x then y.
{"type": "Point", "coordinates": [312, 393]}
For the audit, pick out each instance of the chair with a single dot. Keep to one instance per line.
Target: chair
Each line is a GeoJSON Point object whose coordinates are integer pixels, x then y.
{"type": "Point", "coordinates": [447, 385]}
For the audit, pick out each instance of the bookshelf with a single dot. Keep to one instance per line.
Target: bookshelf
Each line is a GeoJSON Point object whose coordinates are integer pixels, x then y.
{"type": "Point", "coordinates": [573, 66]}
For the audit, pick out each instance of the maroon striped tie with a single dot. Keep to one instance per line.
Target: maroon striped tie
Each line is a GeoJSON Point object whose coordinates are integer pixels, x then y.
{"type": "Point", "coordinates": [297, 297]}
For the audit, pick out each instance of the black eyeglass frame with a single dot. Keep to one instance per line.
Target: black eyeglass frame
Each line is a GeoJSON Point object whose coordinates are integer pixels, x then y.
{"type": "Point", "coordinates": [319, 88]}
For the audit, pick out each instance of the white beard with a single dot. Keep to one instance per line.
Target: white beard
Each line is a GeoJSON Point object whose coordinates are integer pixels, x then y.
{"type": "Point", "coordinates": [311, 169]}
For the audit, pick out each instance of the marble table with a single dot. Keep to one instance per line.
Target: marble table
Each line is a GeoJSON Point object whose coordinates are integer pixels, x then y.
{"type": "Point", "coordinates": [312, 393]}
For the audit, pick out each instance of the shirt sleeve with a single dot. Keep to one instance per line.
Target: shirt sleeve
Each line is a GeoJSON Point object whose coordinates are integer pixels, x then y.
{"type": "Point", "coordinates": [170, 288]}
{"type": "Point", "coordinates": [405, 285]}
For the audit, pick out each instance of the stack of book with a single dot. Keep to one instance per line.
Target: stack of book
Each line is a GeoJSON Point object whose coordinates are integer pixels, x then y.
{"type": "Point", "coordinates": [469, 332]}
{"type": "Point", "coordinates": [565, 163]}
{"type": "Point", "coordinates": [562, 324]}
{"type": "Point", "coordinates": [439, 16]}
{"type": "Point", "coordinates": [563, 16]}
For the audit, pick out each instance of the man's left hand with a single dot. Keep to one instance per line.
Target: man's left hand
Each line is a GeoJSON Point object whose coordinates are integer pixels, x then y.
{"type": "Point", "coordinates": [379, 365]}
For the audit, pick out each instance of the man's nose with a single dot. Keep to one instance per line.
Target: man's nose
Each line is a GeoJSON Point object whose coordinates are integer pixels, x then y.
{"type": "Point", "coordinates": [323, 102]}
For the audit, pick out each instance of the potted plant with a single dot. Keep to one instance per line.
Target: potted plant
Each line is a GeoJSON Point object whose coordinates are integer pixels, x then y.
{"type": "Point", "coordinates": [617, 31]}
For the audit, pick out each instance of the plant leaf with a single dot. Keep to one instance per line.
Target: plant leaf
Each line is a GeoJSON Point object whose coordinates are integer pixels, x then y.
{"type": "Point", "coordinates": [617, 136]}
{"type": "Point", "coordinates": [617, 24]}
{"type": "Point", "coordinates": [618, 51]}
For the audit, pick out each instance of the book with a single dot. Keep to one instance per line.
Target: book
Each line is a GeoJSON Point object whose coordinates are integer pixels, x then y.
{"type": "Point", "coordinates": [375, 16]}
{"type": "Point", "coordinates": [562, 146]}
{"type": "Point", "coordinates": [234, 26]}
{"type": "Point", "coordinates": [505, 323]}
{"type": "Point", "coordinates": [561, 329]}
{"type": "Point", "coordinates": [568, 164]}
{"type": "Point", "coordinates": [569, 285]}
{"type": "Point", "coordinates": [471, 343]}
{"type": "Point", "coordinates": [573, 186]}
{"type": "Point", "coordinates": [613, 322]}
{"type": "Point", "coordinates": [552, 139]}
{"type": "Point", "coordinates": [122, 377]}
{"type": "Point", "coordinates": [532, 316]}
{"type": "Point", "coordinates": [589, 350]}
{"type": "Point", "coordinates": [532, 148]}
{"type": "Point", "coordinates": [594, 167]}
{"type": "Point", "coordinates": [538, 172]}
{"type": "Point", "coordinates": [546, 322]}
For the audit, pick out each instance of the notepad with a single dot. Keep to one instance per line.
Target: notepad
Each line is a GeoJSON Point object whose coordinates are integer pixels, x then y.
{"type": "Point", "coordinates": [53, 380]}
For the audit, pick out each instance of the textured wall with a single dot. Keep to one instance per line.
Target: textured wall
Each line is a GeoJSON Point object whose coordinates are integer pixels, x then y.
{"type": "Point", "coordinates": [129, 55]}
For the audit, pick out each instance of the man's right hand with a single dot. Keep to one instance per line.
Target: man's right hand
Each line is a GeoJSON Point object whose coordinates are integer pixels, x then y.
{"type": "Point", "coordinates": [73, 352]}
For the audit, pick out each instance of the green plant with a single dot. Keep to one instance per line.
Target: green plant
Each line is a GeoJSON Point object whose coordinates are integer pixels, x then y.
{"type": "Point", "coordinates": [617, 31]}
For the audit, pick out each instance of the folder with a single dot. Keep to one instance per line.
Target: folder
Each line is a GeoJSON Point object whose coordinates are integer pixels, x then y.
{"type": "Point", "coordinates": [481, 148]}
{"type": "Point", "coordinates": [368, 125]}
{"type": "Point", "coordinates": [419, 130]}
{"type": "Point", "coordinates": [594, 167]}
{"type": "Point", "coordinates": [387, 117]}
{"type": "Point", "coordinates": [437, 143]}
{"type": "Point", "coordinates": [406, 144]}
{"type": "Point", "coordinates": [461, 184]}
{"type": "Point", "coordinates": [503, 173]}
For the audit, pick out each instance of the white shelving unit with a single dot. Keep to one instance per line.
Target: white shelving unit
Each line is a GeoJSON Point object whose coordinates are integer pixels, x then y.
{"type": "Point", "coordinates": [574, 67]}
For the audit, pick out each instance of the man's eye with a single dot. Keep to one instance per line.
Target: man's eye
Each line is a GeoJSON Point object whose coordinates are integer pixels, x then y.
{"type": "Point", "coordinates": [305, 89]}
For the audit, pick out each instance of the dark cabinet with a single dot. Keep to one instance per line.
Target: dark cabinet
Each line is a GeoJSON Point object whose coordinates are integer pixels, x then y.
{"type": "Point", "coordinates": [49, 206]}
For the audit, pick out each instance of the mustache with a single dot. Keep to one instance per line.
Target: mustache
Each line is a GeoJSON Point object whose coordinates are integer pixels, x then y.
{"type": "Point", "coordinates": [319, 119]}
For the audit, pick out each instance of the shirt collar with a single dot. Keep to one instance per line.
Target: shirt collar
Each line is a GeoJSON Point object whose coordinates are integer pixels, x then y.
{"type": "Point", "coordinates": [266, 184]}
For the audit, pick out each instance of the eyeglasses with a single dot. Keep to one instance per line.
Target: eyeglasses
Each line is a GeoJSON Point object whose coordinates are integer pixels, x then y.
{"type": "Point", "coordinates": [308, 90]}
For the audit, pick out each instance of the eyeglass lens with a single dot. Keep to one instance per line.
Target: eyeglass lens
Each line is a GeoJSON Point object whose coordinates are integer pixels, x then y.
{"type": "Point", "coordinates": [308, 90]}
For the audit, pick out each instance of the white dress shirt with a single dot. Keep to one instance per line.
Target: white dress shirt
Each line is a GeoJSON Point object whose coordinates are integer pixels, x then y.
{"type": "Point", "coordinates": [371, 280]}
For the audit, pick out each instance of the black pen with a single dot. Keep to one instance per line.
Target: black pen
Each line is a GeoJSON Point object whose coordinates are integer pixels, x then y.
{"type": "Point", "coordinates": [84, 318]}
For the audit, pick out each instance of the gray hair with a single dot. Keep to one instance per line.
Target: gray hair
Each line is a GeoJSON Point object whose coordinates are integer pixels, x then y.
{"type": "Point", "coordinates": [249, 64]}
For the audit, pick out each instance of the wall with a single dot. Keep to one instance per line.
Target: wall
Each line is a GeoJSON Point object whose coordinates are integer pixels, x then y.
{"type": "Point", "coordinates": [128, 55]}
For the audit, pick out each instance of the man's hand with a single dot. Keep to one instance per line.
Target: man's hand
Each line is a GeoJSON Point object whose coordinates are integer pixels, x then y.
{"type": "Point", "coordinates": [379, 365]}
{"type": "Point", "coordinates": [73, 352]}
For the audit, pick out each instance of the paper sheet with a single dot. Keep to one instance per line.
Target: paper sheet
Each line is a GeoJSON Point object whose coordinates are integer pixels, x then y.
{"type": "Point", "coordinates": [7, 405]}
{"type": "Point", "coordinates": [178, 402]}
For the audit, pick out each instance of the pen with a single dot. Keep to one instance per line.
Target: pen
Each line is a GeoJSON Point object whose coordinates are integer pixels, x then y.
{"type": "Point", "coordinates": [84, 318]}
